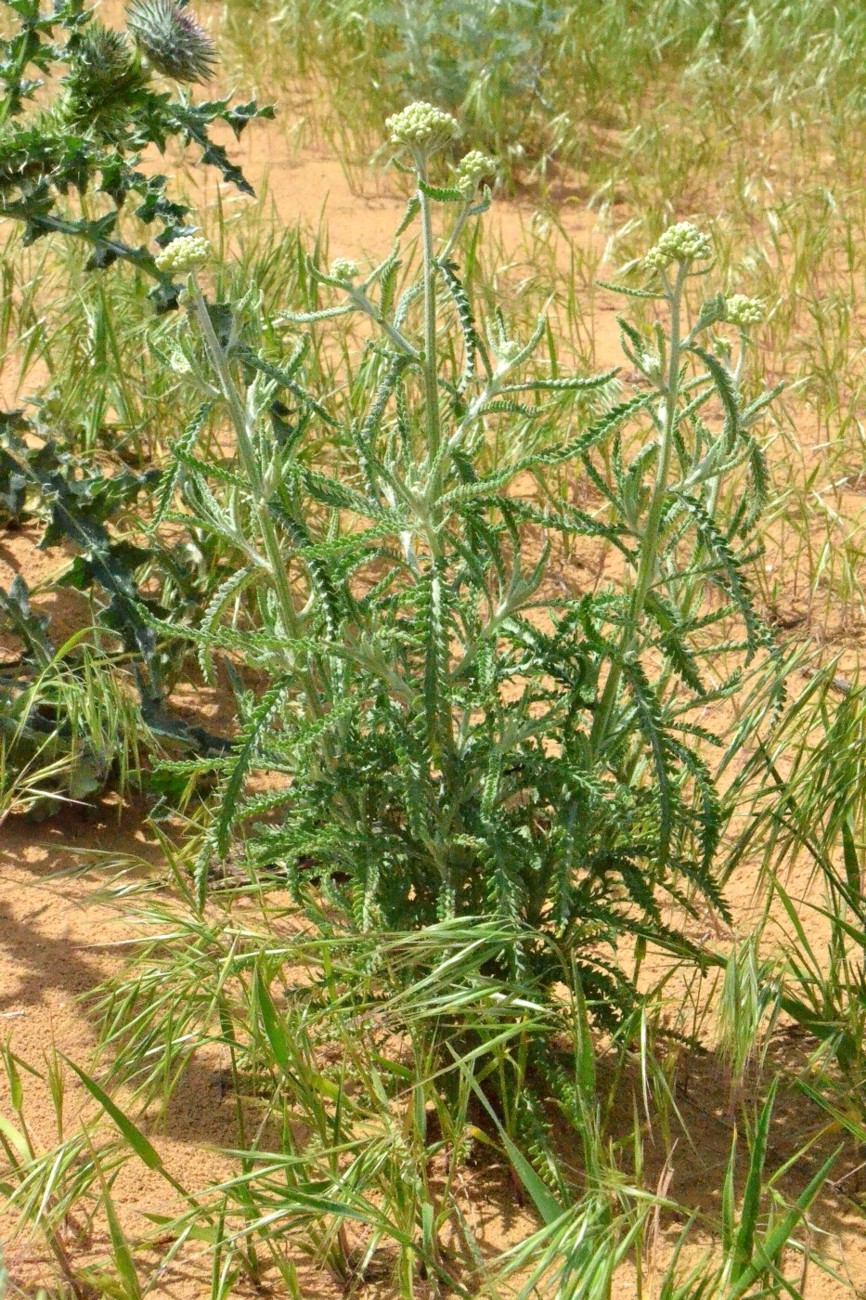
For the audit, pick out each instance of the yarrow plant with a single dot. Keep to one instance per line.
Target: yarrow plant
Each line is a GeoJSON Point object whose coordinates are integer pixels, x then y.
{"type": "Point", "coordinates": [682, 244]}
{"type": "Point", "coordinates": [457, 737]}
{"type": "Point", "coordinates": [184, 255]}
{"type": "Point", "coordinates": [743, 311]}
{"type": "Point", "coordinates": [480, 776]}
{"type": "Point", "coordinates": [344, 269]}
{"type": "Point", "coordinates": [423, 129]}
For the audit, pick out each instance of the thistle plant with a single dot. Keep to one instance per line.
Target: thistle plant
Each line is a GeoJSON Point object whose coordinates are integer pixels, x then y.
{"type": "Point", "coordinates": [171, 40]}
{"type": "Point", "coordinates": [70, 164]}
{"type": "Point", "coordinates": [454, 736]}
{"type": "Point", "coordinates": [104, 78]}
{"type": "Point", "coordinates": [90, 126]}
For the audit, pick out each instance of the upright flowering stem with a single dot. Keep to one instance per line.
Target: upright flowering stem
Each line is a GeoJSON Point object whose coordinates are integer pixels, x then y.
{"type": "Point", "coordinates": [431, 382]}
{"type": "Point", "coordinates": [249, 462]}
{"type": "Point", "coordinates": [182, 257]}
{"type": "Point", "coordinates": [422, 130]}
{"type": "Point", "coordinates": [649, 545]}
{"type": "Point", "coordinates": [681, 244]}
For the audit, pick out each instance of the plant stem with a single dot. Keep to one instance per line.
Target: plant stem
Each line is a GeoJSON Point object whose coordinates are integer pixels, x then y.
{"type": "Point", "coordinates": [648, 563]}
{"type": "Point", "coordinates": [250, 464]}
{"type": "Point", "coordinates": [431, 386]}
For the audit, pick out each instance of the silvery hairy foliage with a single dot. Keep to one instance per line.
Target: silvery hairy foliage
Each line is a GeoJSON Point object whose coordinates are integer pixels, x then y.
{"type": "Point", "coordinates": [447, 731]}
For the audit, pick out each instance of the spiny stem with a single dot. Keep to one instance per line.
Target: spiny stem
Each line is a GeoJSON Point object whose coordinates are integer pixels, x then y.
{"type": "Point", "coordinates": [250, 464]}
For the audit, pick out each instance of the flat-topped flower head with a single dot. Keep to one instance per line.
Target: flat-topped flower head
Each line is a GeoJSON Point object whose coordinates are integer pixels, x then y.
{"type": "Point", "coordinates": [422, 127]}
{"type": "Point", "coordinates": [171, 40]}
{"type": "Point", "coordinates": [471, 170]}
{"type": "Point", "coordinates": [343, 269]}
{"type": "Point", "coordinates": [183, 255]}
{"type": "Point", "coordinates": [743, 311]}
{"type": "Point", "coordinates": [680, 243]}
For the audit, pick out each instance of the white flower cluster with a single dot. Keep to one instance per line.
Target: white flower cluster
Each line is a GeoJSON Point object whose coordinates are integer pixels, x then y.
{"type": "Point", "coordinates": [680, 243]}
{"type": "Point", "coordinates": [183, 255]}
{"type": "Point", "coordinates": [471, 169]}
{"type": "Point", "coordinates": [343, 269]}
{"type": "Point", "coordinates": [743, 311]}
{"type": "Point", "coordinates": [422, 127]}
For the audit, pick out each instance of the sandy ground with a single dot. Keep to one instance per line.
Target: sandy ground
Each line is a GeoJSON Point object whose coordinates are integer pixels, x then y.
{"type": "Point", "coordinates": [57, 942]}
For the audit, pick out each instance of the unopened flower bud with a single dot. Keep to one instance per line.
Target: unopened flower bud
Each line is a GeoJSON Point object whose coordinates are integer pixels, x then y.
{"type": "Point", "coordinates": [422, 127]}
{"type": "Point", "coordinates": [680, 243]}
{"type": "Point", "coordinates": [471, 169]}
{"type": "Point", "coordinates": [183, 255]}
{"type": "Point", "coordinates": [171, 40]}
{"type": "Point", "coordinates": [743, 311]}
{"type": "Point", "coordinates": [343, 269]}
{"type": "Point", "coordinates": [507, 353]}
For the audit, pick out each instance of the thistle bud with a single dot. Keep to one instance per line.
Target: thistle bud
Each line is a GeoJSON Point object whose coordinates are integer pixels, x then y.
{"type": "Point", "coordinates": [171, 39]}
{"type": "Point", "coordinates": [680, 243]}
{"type": "Point", "coordinates": [422, 127]}
{"type": "Point", "coordinates": [183, 255]}
{"type": "Point", "coordinates": [103, 76]}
